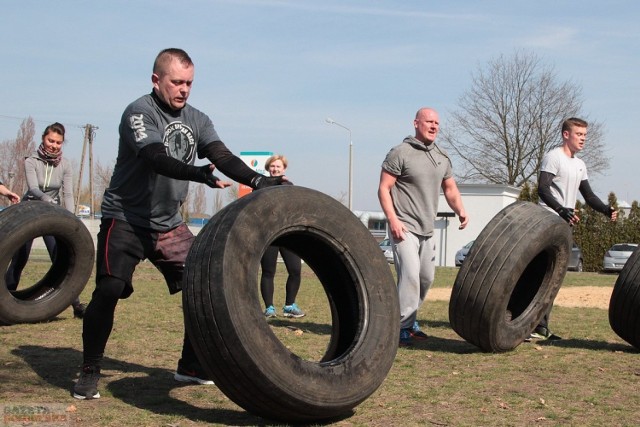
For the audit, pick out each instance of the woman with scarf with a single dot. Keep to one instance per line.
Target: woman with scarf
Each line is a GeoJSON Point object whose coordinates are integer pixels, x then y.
{"type": "Point", "coordinates": [49, 178]}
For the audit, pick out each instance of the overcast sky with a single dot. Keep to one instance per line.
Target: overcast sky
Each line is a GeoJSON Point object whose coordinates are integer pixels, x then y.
{"type": "Point", "coordinates": [270, 72]}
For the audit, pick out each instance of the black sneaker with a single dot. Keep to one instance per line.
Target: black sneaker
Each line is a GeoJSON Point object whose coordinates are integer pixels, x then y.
{"type": "Point", "coordinates": [406, 340]}
{"type": "Point", "coordinates": [553, 337]}
{"type": "Point", "coordinates": [87, 385]}
{"type": "Point", "coordinates": [416, 332]}
{"type": "Point", "coordinates": [78, 311]}
{"type": "Point", "coordinates": [192, 374]}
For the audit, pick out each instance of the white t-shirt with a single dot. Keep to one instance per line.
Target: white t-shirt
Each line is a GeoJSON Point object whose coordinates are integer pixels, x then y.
{"type": "Point", "coordinates": [569, 173]}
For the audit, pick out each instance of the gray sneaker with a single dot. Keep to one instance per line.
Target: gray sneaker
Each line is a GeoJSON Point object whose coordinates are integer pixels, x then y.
{"type": "Point", "coordinates": [87, 385]}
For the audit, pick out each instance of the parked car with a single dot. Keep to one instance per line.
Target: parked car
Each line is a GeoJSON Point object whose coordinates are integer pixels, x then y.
{"type": "Point", "coordinates": [84, 211]}
{"type": "Point", "coordinates": [462, 253]}
{"type": "Point", "coordinates": [575, 259]}
{"type": "Point", "coordinates": [385, 245]}
{"type": "Point", "coordinates": [616, 257]}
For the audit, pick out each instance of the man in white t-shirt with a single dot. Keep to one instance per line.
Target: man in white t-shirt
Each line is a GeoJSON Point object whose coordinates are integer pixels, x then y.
{"type": "Point", "coordinates": [562, 175]}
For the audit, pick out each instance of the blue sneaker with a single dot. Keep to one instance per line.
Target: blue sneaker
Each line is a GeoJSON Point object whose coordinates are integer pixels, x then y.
{"type": "Point", "coordinates": [292, 311]}
{"type": "Point", "coordinates": [270, 312]}
{"type": "Point", "coordinates": [405, 338]}
{"type": "Point", "coordinates": [416, 333]}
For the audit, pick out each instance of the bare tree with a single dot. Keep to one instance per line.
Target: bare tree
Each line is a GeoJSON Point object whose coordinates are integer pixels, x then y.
{"type": "Point", "coordinates": [79, 193]}
{"type": "Point", "coordinates": [511, 117]}
{"type": "Point", "coordinates": [184, 207]}
{"type": "Point", "coordinates": [7, 174]}
{"type": "Point", "coordinates": [218, 202]}
{"type": "Point", "coordinates": [13, 153]}
{"type": "Point", "coordinates": [233, 191]}
{"type": "Point", "coordinates": [101, 178]}
{"type": "Point", "coordinates": [199, 202]}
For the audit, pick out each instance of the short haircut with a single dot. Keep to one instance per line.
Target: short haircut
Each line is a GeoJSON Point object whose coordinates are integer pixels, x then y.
{"type": "Point", "coordinates": [165, 56]}
{"type": "Point", "coordinates": [275, 157]}
{"type": "Point", "coordinates": [573, 121]}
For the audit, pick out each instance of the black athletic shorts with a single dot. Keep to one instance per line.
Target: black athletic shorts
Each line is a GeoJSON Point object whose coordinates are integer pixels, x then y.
{"type": "Point", "coordinates": [121, 247]}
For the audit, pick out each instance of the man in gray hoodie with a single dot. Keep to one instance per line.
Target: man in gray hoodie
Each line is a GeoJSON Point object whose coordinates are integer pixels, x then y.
{"type": "Point", "coordinates": [412, 174]}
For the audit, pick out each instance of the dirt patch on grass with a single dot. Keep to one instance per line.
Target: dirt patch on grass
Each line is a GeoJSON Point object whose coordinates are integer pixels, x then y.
{"type": "Point", "coordinates": [580, 296]}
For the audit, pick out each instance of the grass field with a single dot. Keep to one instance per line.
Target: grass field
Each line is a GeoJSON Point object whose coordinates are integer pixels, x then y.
{"type": "Point", "coordinates": [588, 378]}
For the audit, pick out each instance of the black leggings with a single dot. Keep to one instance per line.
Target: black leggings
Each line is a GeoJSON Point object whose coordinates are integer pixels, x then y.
{"type": "Point", "coordinates": [268, 264]}
{"type": "Point", "coordinates": [120, 249]}
{"type": "Point", "coordinates": [98, 323]}
{"type": "Point", "coordinates": [20, 258]}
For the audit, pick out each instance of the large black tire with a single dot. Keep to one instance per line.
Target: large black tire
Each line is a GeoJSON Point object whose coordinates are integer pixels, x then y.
{"type": "Point", "coordinates": [510, 277]}
{"type": "Point", "coordinates": [67, 276]}
{"type": "Point", "coordinates": [235, 344]}
{"type": "Point", "coordinates": [624, 306]}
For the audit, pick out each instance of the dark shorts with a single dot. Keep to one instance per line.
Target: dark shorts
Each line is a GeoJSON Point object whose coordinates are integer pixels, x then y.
{"type": "Point", "coordinates": [122, 246]}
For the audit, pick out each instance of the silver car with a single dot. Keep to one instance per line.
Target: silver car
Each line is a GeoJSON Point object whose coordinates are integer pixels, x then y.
{"type": "Point", "coordinates": [616, 257]}
{"type": "Point", "coordinates": [575, 260]}
{"type": "Point", "coordinates": [385, 245]}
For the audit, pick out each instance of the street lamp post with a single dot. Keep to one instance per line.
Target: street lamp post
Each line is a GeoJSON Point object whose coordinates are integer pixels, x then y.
{"type": "Point", "coordinates": [333, 122]}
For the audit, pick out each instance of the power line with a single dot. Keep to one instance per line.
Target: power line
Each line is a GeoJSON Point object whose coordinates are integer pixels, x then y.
{"type": "Point", "coordinates": [21, 119]}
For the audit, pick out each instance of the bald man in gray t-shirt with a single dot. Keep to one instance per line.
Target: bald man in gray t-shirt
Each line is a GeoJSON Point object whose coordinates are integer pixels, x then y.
{"type": "Point", "coordinates": [411, 177]}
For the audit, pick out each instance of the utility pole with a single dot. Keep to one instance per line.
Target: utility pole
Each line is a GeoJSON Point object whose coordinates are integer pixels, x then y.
{"type": "Point", "coordinates": [88, 140]}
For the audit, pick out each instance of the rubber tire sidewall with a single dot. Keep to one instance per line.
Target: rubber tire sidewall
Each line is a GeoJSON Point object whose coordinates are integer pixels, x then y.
{"type": "Point", "coordinates": [66, 278]}
{"type": "Point", "coordinates": [624, 306]}
{"type": "Point", "coordinates": [235, 344]}
{"type": "Point", "coordinates": [510, 277]}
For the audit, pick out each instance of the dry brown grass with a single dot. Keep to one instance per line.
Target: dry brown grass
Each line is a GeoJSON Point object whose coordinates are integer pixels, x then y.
{"type": "Point", "coordinates": [588, 378]}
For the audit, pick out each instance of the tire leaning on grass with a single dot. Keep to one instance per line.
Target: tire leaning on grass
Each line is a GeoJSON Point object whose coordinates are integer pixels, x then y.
{"type": "Point", "coordinates": [624, 306]}
{"type": "Point", "coordinates": [510, 277]}
{"type": "Point", "coordinates": [235, 344]}
{"type": "Point", "coordinates": [68, 274]}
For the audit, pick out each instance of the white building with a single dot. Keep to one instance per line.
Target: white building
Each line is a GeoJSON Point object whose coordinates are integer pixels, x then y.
{"type": "Point", "coordinates": [481, 201]}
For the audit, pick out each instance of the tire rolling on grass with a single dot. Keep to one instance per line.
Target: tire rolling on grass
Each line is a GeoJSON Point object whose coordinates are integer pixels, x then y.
{"type": "Point", "coordinates": [68, 274]}
{"type": "Point", "coordinates": [510, 277]}
{"type": "Point", "coordinates": [624, 306]}
{"type": "Point", "coordinates": [235, 344]}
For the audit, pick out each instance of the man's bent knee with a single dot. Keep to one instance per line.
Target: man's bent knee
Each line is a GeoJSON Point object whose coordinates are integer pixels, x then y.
{"type": "Point", "coordinates": [112, 288]}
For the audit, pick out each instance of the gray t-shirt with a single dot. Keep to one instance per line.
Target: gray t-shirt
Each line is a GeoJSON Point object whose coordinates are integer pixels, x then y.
{"type": "Point", "coordinates": [419, 172]}
{"type": "Point", "coordinates": [569, 173]}
{"type": "Point", "coordinates": [136, 193]}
